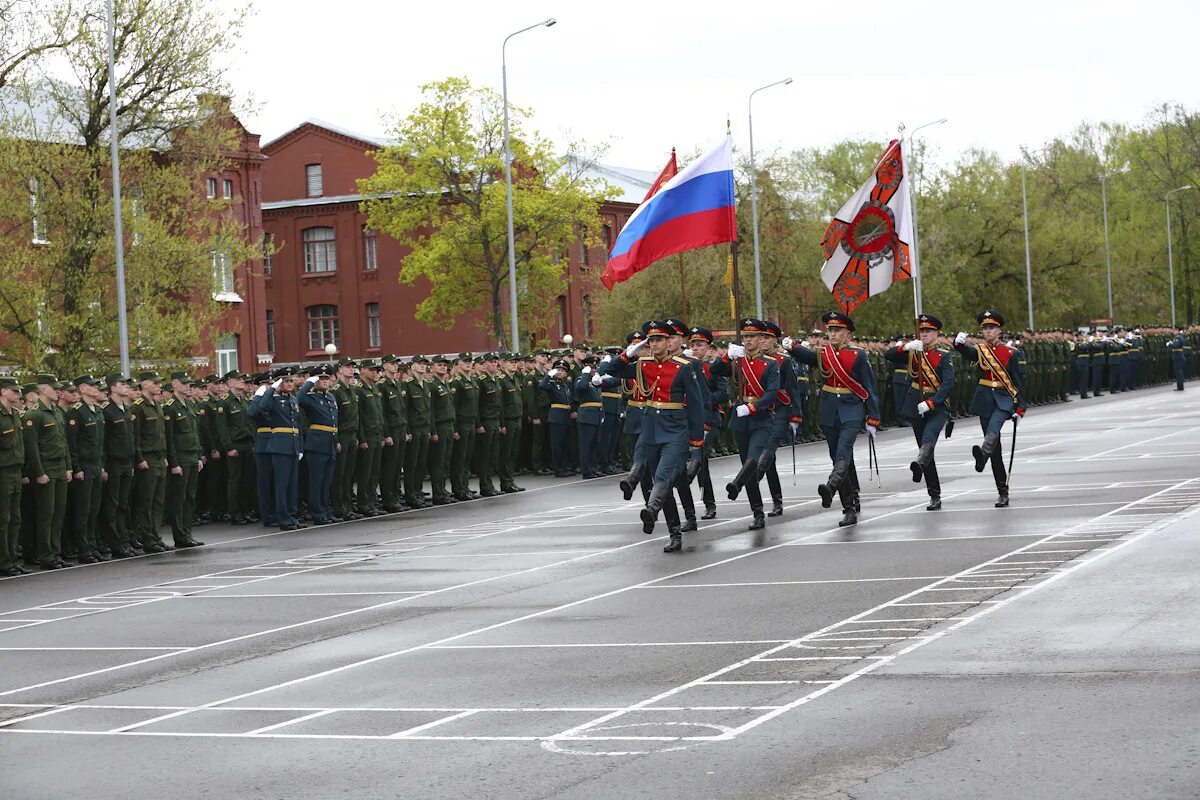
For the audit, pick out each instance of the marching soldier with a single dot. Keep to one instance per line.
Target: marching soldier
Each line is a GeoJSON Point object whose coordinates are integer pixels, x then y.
{"type": "Point", "coordinates": [12, 468]}
{"type": "Point", "coordinates": [274, 409]}
{"type": "Point", "coordinates": [788, 412]}
{"type": "Point", "coordinates": [183, 461]}
{"type": "Point", "coordinates": [999, 396]}
{"type": "Point", "coordinates": [754, 382]}
{"type": "Point", "coordinates": [347, 451]}
{"type": "Point", "coordinates": [370, 444]}
{"type": "Point", "coordinates": [931, 380]}
{"type": "Point", "coordinates": [320, 442]}
{"type": "Point", "coordinates": [848, 401]}
{"type": "Point", "coordinates": [700, 340]}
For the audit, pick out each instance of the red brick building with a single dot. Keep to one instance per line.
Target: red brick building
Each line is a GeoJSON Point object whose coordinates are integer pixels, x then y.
{"type": "Point", "coordinates": [331, 279]}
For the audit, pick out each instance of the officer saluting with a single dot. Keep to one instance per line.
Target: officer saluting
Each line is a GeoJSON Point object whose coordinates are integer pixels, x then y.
{"type": "Point", "coordinates": [999, 396]}
{"type": "Point", "coordinates": [589, 416]}
{"type": "Point", "coordinates": [274, 409]}
{"type": "Point", "coordinates": [848, 400]}
{"type": "Point", "coordinates": [554, 384]}
{"type": "Point", "coordinates": [930, 372]}
{"type": "Point", "coordinates": [320, 442]}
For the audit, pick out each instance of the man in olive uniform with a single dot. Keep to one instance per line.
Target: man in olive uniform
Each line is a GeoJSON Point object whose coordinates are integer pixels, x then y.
{"type": "Point", "coordinates": [48, 463]}
{"type": "Point", "coordinates": [466, 419]}
{"type": "Point", "coordinates": [235, 434]}
{"type": "Point", "coordinates": [538, 408]}
{"type": "Point", "coordinates": [199, 395]}
{"type": "Point", "coordinates": [85, 440]}
{"type": "Point", "coordinates": [347, 455]}
{"type": "Point", "coordinates": [150, 464]}
{"type": "Point", "coordinates": [12, 467]}
{"type": "Point", "coordinates": [371, 434]}
{"type": "Point", "coordinates": [183, 461]}
{"type": "Point", "coordinates": [441, 440]}
{"type": "Point", "coordinates": [491, 411]}
{"type": "Point", "coordinates": [510, 427]}
{"type": "Point", "coordinates": [395, 430]}
{"type": "Point", "coordinates": [118, 462]}
{"type": "Point", "coordinates": [217, 474]}
{"type": "Point", "coordinates": [420, 425]}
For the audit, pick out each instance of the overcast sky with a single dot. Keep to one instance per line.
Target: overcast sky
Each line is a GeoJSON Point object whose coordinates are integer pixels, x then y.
{"type": "Point", "coordinates": [647, 75]}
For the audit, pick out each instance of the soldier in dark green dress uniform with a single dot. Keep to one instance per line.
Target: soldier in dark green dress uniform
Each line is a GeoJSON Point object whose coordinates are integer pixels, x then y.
{"type": "Point", "coordinates": [48, 463]}
{"type": "Point", "coordinates": [465, 392]}
{"type": "Point", "coordinates": [441, 439]}
{"type": "Point", "coordinates": [118, 462]}
{"type": "Point", "coordinates": [395, 428]}
{"type": "Point", "coordinates": [150, 464]}
{"type": "Point", "coordinates": [347, 454]}
{"type": "Point", "coordinates": [507, 447]}
{"type": "Point", "coordinates": [235, 433]}
{"type": "Point", "coordinates": [491, 411]}
{"type": "Point", "coordinates": [420, 425]}
{"type": "Point", "coordinates": [370, 445]}
{"type": "Point", "coordinates": [85, 440]}
{"type": "Point", "coordinates": [12, 468]}
{"type": "Point", "coordinates": [183, 461]}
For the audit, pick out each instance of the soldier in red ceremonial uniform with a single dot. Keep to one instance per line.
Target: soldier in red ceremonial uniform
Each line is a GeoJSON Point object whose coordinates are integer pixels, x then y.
{"type": "Point", "coordinates": [1000, 395]}
{"type": "Point", "coordinates": [683, 486]}
{"type": "Point", "coordinates": [788, 413]}
{"type": "Point", "coordinates": [926, 406]}
{"type": "Point", "coordinates": [848, 400]}
{"type": "Point", "coordinates": [754, 386]}
{"type": "Point", "coordinates": [672, 420]}
{"type": "Point", "coordinates": [700, 341]}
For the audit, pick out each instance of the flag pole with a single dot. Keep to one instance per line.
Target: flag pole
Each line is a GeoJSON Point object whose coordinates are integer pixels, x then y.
{"type": "Point", "coordinates": [683, 286]}
{"type": "Point", "coordinates": [912, 213]}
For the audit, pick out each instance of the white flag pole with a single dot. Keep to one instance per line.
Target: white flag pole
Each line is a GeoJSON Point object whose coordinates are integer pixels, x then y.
{"type": "Point", "coordinates": [915, 263]}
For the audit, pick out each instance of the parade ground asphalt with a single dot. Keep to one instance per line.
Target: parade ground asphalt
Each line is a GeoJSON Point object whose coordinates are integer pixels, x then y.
{"type": "Point", "coordinates": [539, 645]}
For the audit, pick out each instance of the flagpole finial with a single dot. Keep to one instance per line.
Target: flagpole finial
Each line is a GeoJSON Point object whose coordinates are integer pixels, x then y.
{"type": "Point", "coordinates": [728, 126]}
{"type": "Point", "coordinates": [901, 129]}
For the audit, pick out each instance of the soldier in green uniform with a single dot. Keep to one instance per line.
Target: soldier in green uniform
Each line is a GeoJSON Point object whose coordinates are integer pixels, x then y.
{"type": "Point", "coordinates": [199, 395]}
{"type": "Point", "coordinates": [48, 463]}
{"type": "Point", "coordinates": [85, 441]}
{"type": "Point", "coordinates": [420, 426]}
{"type": "Point", "coordinates": [118, 462]}
{"type": "Point", "coordinates": [491, 414]}
{"type": "Point", "coordinates": [217, 479]}
{"type": "Point", "coordinates": [370, 445]}
{"type": "Point", "coordinates": [150, 464]}
{"type": "Point", "coordinates": [235, 433]}
{"type": "Point", "coordinates": [395, 429]}
{"type": "Point", "coordinates": [465, 392]}
{"type": "Point", "coordinates": [12, 467]}
{"type": "Point", "coordinates": [183, 460]}
{"type": "Point", "coordinates": [441, 439]}
{"type": "Point", "coordinates": [347, 451]}
{"type": "Point", "coordinates": [510, 430]}
{"type": "Point", "coordinates": [538, 408]}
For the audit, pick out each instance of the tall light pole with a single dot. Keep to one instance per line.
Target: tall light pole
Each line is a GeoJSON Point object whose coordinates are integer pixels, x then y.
{"type": "Point", "coordinates": [1107, 252]}
{"type": "Point", "coordinates": [512, 251]}
{"type": "Point", "coordinates": [754, 196]}
{"type": "Point", "coordinates": [912, 193]}
{"type": "Point", "coordinates": [1170, 261]}
{"type": "Point", "coordinates": [118, 231]}
{"type": "Point", "coordinates": [1028, 265]}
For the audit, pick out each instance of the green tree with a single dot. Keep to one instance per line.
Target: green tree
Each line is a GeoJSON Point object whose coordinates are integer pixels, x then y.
{"type": "Point", "coordinates": [440, 191]}
{"type": "Point", "coordinates": [57, 260]}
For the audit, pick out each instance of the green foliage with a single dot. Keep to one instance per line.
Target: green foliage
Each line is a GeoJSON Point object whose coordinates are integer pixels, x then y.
{"type": "Point", "coordinates": [440, 191]}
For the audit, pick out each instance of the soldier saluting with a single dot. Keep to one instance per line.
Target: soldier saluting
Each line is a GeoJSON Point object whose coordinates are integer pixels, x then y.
{"type": "Point", "coordinates": [930, 372]}
{"type": "Point", "coordinates": [999, 396]}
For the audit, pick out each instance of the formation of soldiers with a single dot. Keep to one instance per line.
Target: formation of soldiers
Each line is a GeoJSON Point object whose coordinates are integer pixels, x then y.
{"type": "Point", "coordinates": [94, 469]}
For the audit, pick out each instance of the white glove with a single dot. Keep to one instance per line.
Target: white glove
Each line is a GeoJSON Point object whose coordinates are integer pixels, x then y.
{"type": "Point", "coordinates": [631, 351]}
{"type": "Point", "coordinates": [923, 407]}
{"type": "Point", "coordinates": [260, 391]}
{"type": "Point", "coordinates": [597, 380]}
{"type": "Point", "coordinates": [795, 426]}
{"type": "Point", "coordinates": [278, 382]}
{"type": "Point", "coordinates": [586, 370]}
{"type": "Point", "coordinates": [961, 338]}
{"type": "Point", "coordinates": [806, 344]}
{"type": "Point", "coordinates": [300, 457]}
{"type": "Point", "coordinates": [311, 379]}
{"type": "Point", "coordinates": [788, 342]}
{"type": "Point", "coordinates": [915, 345]}
{"type": "Point", "coordinates": [736, 351]}
{"type": "Point", "coordinates": [1009, 343]}
{"type": "Point", "coordinates": [688, 352]}
{"type": "Point", "coordinates": [606, 359]}
{"type": "Point", "coordinates": [743, 410]}
{"type": "Point", "coordinates": [898, 343]}
{"type": "Point", "coordinates": [871, 431]}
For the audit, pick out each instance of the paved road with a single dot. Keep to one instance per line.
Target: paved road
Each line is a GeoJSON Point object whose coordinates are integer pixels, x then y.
{"type": "Point", "coordinates": [539, 646]}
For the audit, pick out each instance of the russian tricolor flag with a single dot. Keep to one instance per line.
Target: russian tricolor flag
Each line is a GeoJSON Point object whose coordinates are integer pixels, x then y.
{"type": "Point", "coordinates": [693, 209]}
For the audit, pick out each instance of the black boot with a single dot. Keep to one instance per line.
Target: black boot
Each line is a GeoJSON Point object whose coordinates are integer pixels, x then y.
{"type": "Point", "coordinates": [833, 483]}
{"type": "Point", "coordinates": [848, 494]}
{"type": "Point", "coordinates": [924, 458]}
{"type": "Point", "coordinates": [630, 482]}
{"type": "Point", "coordinates": [653, 506]}
{"type": "Point", "coordinates": [689, 523]}
{"type": "Point", "coordinates": [747, 471]}
{"type": "Point", "coordinates": [765, 462]}
{"type": "Point", "coordinates": [710, 512]}
{"type": "Point", "coordinates": [1002, 501]}
{"type": "Point", "coordinates": [935, 502]}
{"type": "Point", "coordinates": [776, 507]}
{"type": "Point", "coordinates": [990, 443]}
{"type": "Point", "coordinates": [676, 543]}
{"type": "Point", "coordinates": [760, 521]}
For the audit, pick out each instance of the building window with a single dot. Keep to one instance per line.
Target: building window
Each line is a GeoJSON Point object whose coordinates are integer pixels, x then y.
{"type": "Point", "coordinates": [320, 255]}
{"type": "Point", "coordinates": [211, 188]}
{"type": "Point", "coordinates": [562, 317]}
{"type": "Point", "coordinates": [583, 248]}
{"type": "Point", "coordinates": [268, 249]}
{"type": "Point", "coordinates": [587, 317]}
{"type": "Point", "coordinates": [370, 253]}
{"type": "Point", "coordinates": [374, 337]}
{"type": "Point", "coordinates": [322, 326]}
{"type": "Point", "coordinates": [227, 189]}
{"type": "Point", "coordinates": [607, 237]}
{"type": "Point", "coordinates": [313, 180]}
{"type": "Point", "coordinates": [227, 356]}
{"type": "Point", "coordinates": [37, 215]}
{"type": "Point", "coordinates": [270, 331]}
{"type": "Point", "coordinates": [224, 289]}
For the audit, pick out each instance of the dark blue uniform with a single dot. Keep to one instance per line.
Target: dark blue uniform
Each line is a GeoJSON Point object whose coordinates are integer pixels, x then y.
{"type": "Point", "coordinates": [588, 422]}
{"type": "Point", "coordinates": [320, 448]}
{"type": "Point", "coordinates": [278, 417]}
{"type": "Point", "coordinates": [1081, 367]}
{"type": "Point", "coordinates": [1181, 351]}
{"type": "Point", "coordinates": [998, 398]}
{"type": "Point", "coordinates": [754, 383]}
{"type": "Point", "coordinates": [610, 425]}
{"type": "Point", "coordinates": [931, 381]}
{"type": "Point", "coordinates": [557, 418]}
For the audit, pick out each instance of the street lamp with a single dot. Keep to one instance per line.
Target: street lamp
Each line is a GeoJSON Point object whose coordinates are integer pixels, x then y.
{"type": "Point", "coordinates": [331, 350]}
{"type": "Point", "coordinates": [1107, 253]}
{"type": "Point", "coordinates": [118, 232]}
{"type": "Point", "coordinates": [1170, 261]}
{"type": "Point", "coordinates": [512, 252]}
{"type": "Point", "coordinates": [754, 196]}
{"type": "Point", "coordinates": [916, 272]}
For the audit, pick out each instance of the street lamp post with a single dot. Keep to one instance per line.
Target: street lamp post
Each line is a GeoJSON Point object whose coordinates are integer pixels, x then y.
{"type": "Point", "coordinates": [1170, 258]}
{"type": "Point", "coordinates": [512, 252]}
{"type": "Point", "coordinates": [912, 185]}
{"type": "Point", "coordinates": [754, 195]}
{"type": "Point", "coordinates": [118, 233]}
{"type": "Point", "coordinates": [1107, 252]}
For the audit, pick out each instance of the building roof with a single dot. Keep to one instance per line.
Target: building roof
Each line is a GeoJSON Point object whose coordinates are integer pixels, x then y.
{"type": "Point", "coordinates": [375, 141]}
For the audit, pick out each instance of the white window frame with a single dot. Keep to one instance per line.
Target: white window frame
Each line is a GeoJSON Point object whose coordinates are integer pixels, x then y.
{"type": "Point", "coordinates": [320, 255]}
{"type": "Point", "coordinates": [270, 330]}
{"type": "Point", "coordinates": [227, 189]}
{"type": "Point", "coordinates": [224, 284]}
{"type": "Point", "coordinates": [226, 352]}
{"type": "Point", "coordinates": [210, 188]}
{"type": "Point", "coordinates": [370, 250]}
{"type": "Point", "coordinates": [314, 180]}
{"type": "Point", "coordinates": [374, 326]}
{"type": "Point", "coordinates": [37, 213]}
{"type": "Point", "coordinates": [334, 327]}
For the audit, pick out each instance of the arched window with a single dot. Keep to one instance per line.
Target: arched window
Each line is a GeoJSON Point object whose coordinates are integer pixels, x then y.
{"type": "Point", "coordinates": [320, 251]}
{"type": "Point", "coordinates": [322, 326]}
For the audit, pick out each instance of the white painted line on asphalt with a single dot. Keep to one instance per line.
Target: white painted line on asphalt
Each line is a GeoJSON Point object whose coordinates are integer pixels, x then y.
{"type": "Point", "coordinates": [419, 728]}
{"type": "Point", "coordinates": [292, 721]}
{"type": "Point", "coordinates": [599, 644]}
{"type": "Point", "coordinates": [5, 649]}
{"type": "Point", "coordinates": [27, 717]}
{"type": "Point", "coordinates": [788, 583]}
